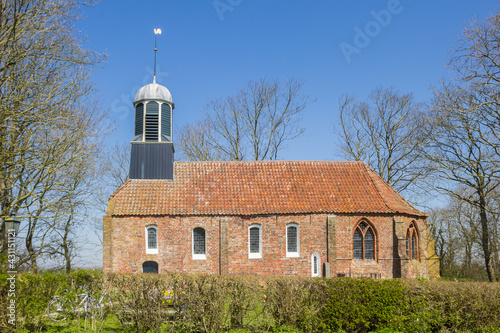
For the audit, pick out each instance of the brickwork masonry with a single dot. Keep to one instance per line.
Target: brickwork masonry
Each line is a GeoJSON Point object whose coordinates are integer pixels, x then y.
{"type": "Point", "coordinates": [227, 245]}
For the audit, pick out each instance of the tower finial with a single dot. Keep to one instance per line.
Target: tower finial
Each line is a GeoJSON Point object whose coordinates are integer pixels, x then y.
{"type": "Point", "coordinates": [157, 32]}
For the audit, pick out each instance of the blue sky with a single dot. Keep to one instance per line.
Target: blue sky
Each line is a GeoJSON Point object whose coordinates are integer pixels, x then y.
{"type": "Point", "coordinates": [209, 49]}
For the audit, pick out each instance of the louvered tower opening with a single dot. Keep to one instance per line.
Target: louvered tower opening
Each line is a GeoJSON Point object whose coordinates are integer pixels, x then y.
{"type": "Point", "coordinates": [139, 120]}
{"type": "Point", "coordinates": [166, 122]}
{"type": "Point", "coordinates": [152, 122]}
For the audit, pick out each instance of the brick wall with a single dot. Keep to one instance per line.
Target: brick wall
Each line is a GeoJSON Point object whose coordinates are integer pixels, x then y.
{"type": "Point", "coordinates": [227, 245]}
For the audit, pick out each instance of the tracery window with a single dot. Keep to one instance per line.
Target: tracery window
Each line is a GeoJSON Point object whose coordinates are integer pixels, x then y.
{"type": "Point", "coordinates": [363, 242]}
{"type": "Point", "coordinates": [412, 242]}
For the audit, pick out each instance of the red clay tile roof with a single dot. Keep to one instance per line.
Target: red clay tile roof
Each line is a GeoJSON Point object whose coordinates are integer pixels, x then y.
{"type": "Point", "coordinates": [257, 188]}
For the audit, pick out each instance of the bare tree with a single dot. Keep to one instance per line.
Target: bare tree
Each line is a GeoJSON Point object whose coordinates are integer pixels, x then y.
{"type": "Point", "coordinates": [195, 142]}
{"type": "Point", "coordinates": [446, 237]}
{"type": "Point", "coordinates": [462, 157]}
{"type": "Point", "coordinates": [388, 131]}
{"type": "Point", "coordinates": [116, 166]}
{"type": "Point", "coordinates": [46, 106]}
{"type": "Point", "coordinates": [254, 124]}
{"type": "Point", "coordinates": [476, 63]}
{"type": "Point", "coordinates": [112, 173]}
{"type": "Point", "coordinates": [466, 142]}
{"type": "Point", "coordinates": [73, 210]}
{"type": "Point", "coordinates": [457, 231]}
{"type": "Point", "coordinates": [494, 219]}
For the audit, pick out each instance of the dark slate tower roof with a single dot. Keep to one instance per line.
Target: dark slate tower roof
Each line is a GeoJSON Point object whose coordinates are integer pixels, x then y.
{"type": "Point", "coordinates": [256, 188]}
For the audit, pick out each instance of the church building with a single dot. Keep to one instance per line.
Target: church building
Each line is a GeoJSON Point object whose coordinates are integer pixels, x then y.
{"type": "Point", "coordinates": [286, 218]}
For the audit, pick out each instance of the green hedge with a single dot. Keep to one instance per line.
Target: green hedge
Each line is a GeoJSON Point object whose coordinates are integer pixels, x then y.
{"type": "Point", "coordinates": [205, 303]}
{"type": "Point", "coordinates": [367, 305]}
{"type": "Point", "coordinates": [34, 292]}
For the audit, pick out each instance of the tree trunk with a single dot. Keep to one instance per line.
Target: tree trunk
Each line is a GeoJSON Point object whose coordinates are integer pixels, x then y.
{"type": "Point", "coordinates": [66, 249]}
{"type": "Point", "coordinates": [485, 236]}
{"type": "Point", "coordinates": [5, 207]}
{"type": "Point", "coordinates": [32, 256]}
{"type": "Point", "coordinates": [68, 261]}
{"type": "Point", "coordinates": [496, 258]}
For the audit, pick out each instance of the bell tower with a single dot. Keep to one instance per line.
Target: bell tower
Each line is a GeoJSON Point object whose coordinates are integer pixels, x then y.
{"type": "Point", "coordinates": [152, 155]}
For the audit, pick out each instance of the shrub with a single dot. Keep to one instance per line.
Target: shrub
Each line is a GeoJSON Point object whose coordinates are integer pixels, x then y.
{"type": "Point", "coordinates": [201, 302]}
{"type": "Point", "coordinates": [245, 301]}
{"type": "Point", "coordinates": [206, 303]}
{"type": "Point", "coordinates": [363, 305]}
{"type": "Point", "coordinates": [459, 306]}
{"type": "Point", "coordinates": [296, 301]}
{"type": "Point", "coordinates": [34, 292]}
{"type": "Point", "coordinates": [139, 300]}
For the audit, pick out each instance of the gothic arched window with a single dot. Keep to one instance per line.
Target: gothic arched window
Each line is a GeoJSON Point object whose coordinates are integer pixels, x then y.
{"type": "Point", "coordinates": [412, 242]}
{"type": "Point", "coordinates": [363, 243]}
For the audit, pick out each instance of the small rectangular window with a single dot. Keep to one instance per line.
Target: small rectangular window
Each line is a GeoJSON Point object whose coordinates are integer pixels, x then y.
{"type": "Point", "coordinates": [316, 262]}
{"type": "Point", "coordinates": [292, 241]}
{"type": "Point", "coordinates": [254, 242]}
{"type": "Point", "coordinates": [152, 240]}
{"type": "Point", "coordinates": [199, 243]}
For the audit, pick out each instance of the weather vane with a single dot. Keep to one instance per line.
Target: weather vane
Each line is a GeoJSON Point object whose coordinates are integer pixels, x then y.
{"type": "Point", "coordinates": [157, 32]}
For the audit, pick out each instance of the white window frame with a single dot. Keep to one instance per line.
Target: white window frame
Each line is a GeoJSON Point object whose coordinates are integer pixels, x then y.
{"type": "Point", "coordinates": [159, 121]}
{"type": "Point", "coordinates": [148, 250]}
{"type": "Point", "coordinates": [259, 254]}
{"type": "Point", "coordinates": [316, 254]}
{"type": "Point", "coordinates": [198, 256]}
{"type": "Point", "coordinates": [293, 254]}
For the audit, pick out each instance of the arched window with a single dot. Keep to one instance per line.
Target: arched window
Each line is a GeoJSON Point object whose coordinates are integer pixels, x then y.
{"type": "Point", "coordinates": [292, 240]}
{"type": "Point", "coordinates": [363, 242]}
{"type": "Point", "coordinates": [150, 267]}
{"type": "Point", "coordinates": [315, 264]}
{"type": "Point", "coordinates": [152, 239]}
{"type": "Point", "coordinates": [255, 241]}
{"type": "Point", "coordinates": [412, 242]}
{"type": "Point", "coordinates": [199, 244]}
